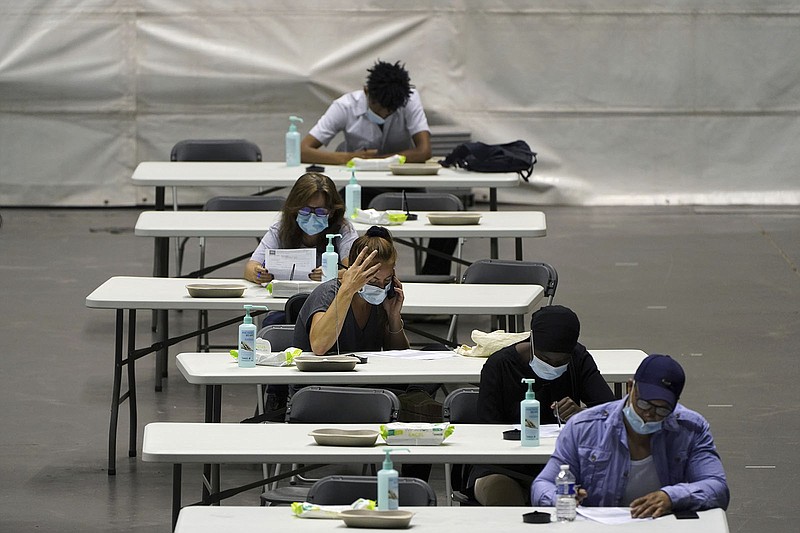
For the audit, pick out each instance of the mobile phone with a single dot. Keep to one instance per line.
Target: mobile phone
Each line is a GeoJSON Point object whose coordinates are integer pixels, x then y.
{"type": "Point", "coordinates": [684, 515]}
{"type": "Point", "coordinates": [391, 293]}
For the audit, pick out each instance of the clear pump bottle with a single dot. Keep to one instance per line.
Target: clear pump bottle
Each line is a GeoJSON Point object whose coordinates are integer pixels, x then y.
{"type": "Point", "coordinates": [293, 143]}
{"type": "Point", "coordinates": [389, 483]}
{"type": "Point", "coordinates": [247, 338]}
{"type": "Point", "coordinates": [352, 196]}
{"type": "Point", "coordinates": [330, 259]}
{"type": "Point", "coordinates": [529, 416]}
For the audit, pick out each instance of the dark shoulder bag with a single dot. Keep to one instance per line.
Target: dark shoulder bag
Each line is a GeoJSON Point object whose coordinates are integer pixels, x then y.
{"type": "Point", "coordinates": [481, 157]}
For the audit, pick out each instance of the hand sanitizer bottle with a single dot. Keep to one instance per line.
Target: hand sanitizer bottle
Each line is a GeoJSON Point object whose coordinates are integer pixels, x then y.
{"type": "Point", "coordinates": [389, 484]}
{"type": "Point", "coordinates": [247, 338]}
{"type": "Point", "coordinates": [529, 416]}
{"type": "Point", "coordinates": [330, 259]}
{"type": "Point", "coordinates": [293, 143]}
{"type": "Point", "coordinates": [352, 197]}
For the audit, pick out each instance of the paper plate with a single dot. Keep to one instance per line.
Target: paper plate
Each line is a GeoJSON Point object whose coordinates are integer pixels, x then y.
{"type": "Point", "coordinates": [345, 437]}
{"type": "Point", "coordinates": [215, 290]}
{"type": "Point", "coordinates": [377, 519]}
{"type": "Point", "coordinates": [415, 169]}
{"type": "Point", "coordinates": [454, 219]}
{"type": "Point", "coordinates": [325, 363]}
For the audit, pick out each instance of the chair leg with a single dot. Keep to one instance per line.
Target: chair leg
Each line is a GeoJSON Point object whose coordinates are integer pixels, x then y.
{"type": "Point", "coordinates": [448, 484]}
{"type": "Point", "coordinates": [451, 332]}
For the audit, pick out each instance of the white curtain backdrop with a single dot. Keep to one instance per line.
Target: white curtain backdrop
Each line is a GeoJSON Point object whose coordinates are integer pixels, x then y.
{"type": "Point", "coordinates": [627, 102]}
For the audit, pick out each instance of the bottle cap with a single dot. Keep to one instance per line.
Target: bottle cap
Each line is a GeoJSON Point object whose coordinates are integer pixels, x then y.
{"type": "Point", "coordinates": [247, 308]}
{"type": "Point", "coordinates": [292, 120]}
{"type": "Point", "coordinates": [330, 237]}
{"type": "Point", "coordinates": [529, 395]}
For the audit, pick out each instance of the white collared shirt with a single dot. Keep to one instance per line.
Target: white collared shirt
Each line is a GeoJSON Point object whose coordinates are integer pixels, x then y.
{"type": "Point", "coordinates": [348, 114]}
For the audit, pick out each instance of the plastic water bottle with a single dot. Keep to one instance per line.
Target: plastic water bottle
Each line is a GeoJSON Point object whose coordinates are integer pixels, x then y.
{"type": "Point", "coordinates": [565, 495]}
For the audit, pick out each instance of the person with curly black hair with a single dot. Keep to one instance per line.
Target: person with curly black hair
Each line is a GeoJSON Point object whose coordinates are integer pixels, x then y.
{"type": "Point", "coordinates": [383, 118]}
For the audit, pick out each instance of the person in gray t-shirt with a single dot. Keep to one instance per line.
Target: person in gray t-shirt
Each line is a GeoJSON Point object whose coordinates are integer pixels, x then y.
{"type": "Point", "coordinates": [362, 310]}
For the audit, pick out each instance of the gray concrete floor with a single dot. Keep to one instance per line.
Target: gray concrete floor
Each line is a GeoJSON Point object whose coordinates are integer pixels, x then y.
{"type": "Point", "coordinates": [718, 288]}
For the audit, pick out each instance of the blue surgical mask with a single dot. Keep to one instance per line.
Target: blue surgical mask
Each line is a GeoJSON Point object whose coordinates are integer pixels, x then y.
{"type": "Point", "coordinates": [312, 223]}
{"type": "Point", "coordinates": [374, 295]}
{"type": "Point", "coordinates": [637, 423]}
{"type": "Point", "coordinates": [545, 371]}
{"type": "Point", "coordinates": [373, 117]}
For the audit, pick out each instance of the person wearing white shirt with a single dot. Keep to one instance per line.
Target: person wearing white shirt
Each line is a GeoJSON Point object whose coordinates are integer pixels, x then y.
{"type": "Point", "coordinates": [383, 118]}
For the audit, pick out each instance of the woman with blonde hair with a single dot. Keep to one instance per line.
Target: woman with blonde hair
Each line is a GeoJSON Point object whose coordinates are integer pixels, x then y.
{"type": "Point", "coordinates": [360, 312]}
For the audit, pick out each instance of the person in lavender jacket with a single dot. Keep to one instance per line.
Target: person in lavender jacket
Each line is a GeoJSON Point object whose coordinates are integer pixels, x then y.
{"type": "Point", "coordinates": [645, 451]}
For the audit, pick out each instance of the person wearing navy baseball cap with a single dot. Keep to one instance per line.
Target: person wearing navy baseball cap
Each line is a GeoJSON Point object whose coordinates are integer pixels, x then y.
{"type": "Point", "coordinates": [646, 451]}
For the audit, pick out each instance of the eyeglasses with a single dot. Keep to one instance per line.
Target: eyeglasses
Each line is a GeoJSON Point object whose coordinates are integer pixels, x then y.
{"type": "Point", "coordinates": [644, 405]}
{"type": "Point", "coordinates": [319, 211]}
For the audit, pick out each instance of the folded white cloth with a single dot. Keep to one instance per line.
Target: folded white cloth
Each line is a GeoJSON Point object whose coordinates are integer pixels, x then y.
{"type": "Point", "coordinates": [359, 163]}
{"type": "Point", "coordinates": [488, 343]}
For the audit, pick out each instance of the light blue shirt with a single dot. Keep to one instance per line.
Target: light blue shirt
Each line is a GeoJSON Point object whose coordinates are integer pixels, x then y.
{"type": "Point", "coordinates": [595, 446]}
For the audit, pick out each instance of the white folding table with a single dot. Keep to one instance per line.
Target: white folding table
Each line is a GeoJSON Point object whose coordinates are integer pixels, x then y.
{"type": "Point", "coordinates": [161, 174]}
{"type": "Point", "coordinates": [132, 293]}
{"type": "Point", "coordinates": [190, 443]}
{"type": "Point", "coordinates": [165, 224]}
{"type": "Point", "coordinates": [432, 520]}
{"type": "Point", "coordinates": [214, 370]}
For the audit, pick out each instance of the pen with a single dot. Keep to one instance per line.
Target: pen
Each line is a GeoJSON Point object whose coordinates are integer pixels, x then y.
{"type": "Point", "coordinates": [258, 274]}
{"type": "Point", "coordinates": [291, 275]}
{"type": "Point", "coordinates": [558, 417]}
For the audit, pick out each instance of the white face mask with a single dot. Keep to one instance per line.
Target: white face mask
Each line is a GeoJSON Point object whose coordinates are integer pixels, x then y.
{"type": "Point", "coordinates": [374, 295]}
{"type": "Point", "coordinates": [373, 117]}
{"type": "Point", "coordinates": [637, 423]}
{"type": "Point", "coordinates": [543, 370]}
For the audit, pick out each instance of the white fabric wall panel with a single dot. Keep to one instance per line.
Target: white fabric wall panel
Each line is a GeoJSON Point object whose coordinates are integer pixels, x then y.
{"type": "Point", "coordinates": [627, 102]}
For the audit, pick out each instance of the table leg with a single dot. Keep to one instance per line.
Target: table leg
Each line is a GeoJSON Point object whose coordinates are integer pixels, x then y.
{"type": "Point", "coordinates": [112, 426]}
{"type": "Point", "coordinates": [176, 494]}
{"type": "Point", "coordinates": [133, 425]}
{"type": "Point", "coordinates": [518, 248]}
{"type": "Point", "coordinates": [493, 247]}
{"type": "Point", "coordinates": [159, 206]}
{"type": "Point", "coordinates": [161, 335]}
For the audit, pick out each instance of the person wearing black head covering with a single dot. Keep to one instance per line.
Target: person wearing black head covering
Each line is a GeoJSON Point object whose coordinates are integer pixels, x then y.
{"type": "Point", "coordinates": [566, 377]}
{"type": "Point", "coordinates": [565, 372]}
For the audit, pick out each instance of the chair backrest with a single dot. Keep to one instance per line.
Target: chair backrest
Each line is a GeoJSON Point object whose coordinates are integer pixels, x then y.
{"type": "Point", "coordinates": [344, 490]}
{"type": "Point", "coordinates": [215, 150]}
{"type": "Point", "coordinates": [245, 203]}
{"type": "Point", "coordinates": [280, 336]}
{"type": "Point", "coordinates": [293, 306]}
{"type": "Point", "coordinates": [509, 272]}
{"type": "Point", "coordinates": [461, 406]}
{"type": "Point", "coordinates": [344, 405]}
{"type": "Point", "coordinates": [417, 201]}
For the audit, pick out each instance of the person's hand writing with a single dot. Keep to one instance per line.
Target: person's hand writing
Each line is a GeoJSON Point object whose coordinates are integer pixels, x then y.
{"type": "Point", "coordinates": [566, 408]}
{"type": "Point", "coordinates": [263, 275]}
{"type": "Point", "coordinates": [652, 505]}
{"type": "Point", "coordinates": [316, 274]}
{"type": "Point", "coordinates": [358, 274]}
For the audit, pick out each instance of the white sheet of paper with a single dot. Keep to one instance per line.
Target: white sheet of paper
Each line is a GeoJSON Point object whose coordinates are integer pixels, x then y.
{"type": "Point", "coordinates": [609, 515]}
{"type": "Point", "coordinates": [291, 263]}
{"type": "Point", "coordinates": [412, 354]}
